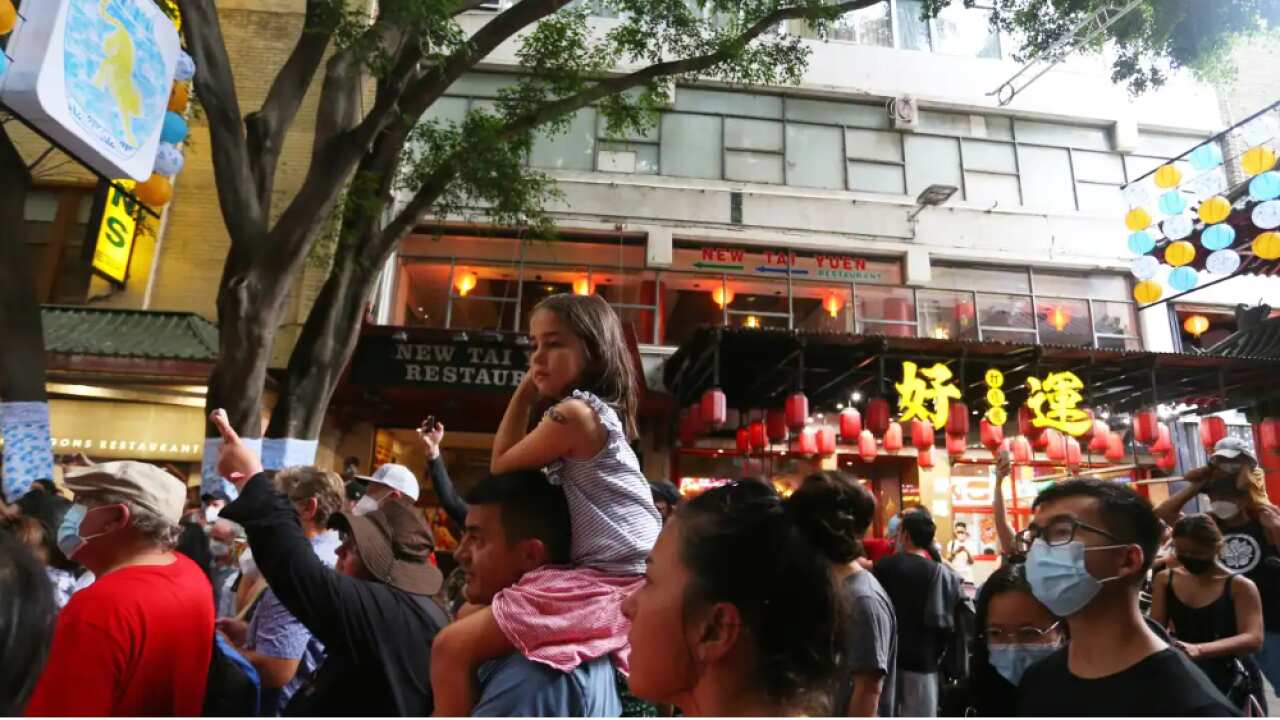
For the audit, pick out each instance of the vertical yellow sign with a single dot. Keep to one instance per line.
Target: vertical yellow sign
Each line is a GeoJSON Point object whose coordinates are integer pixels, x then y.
{"type": "Point", "coordinates": [116, 233]}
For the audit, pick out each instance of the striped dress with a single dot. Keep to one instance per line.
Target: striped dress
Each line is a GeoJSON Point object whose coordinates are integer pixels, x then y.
{"type": "Point", "coordinates": [562, 616]}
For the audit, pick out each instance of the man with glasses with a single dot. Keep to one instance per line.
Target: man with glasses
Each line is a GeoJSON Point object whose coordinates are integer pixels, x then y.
{"type": "Point", "coordinates": [1087, 553]}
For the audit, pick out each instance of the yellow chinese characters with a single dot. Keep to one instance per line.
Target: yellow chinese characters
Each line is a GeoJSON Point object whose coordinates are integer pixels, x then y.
{"type": "Point", "coordinates": [996, 414]}
{"type": "Point", "coordinates": [926, 393]}
{"type": "Point", "coordinates": [1055, 401]}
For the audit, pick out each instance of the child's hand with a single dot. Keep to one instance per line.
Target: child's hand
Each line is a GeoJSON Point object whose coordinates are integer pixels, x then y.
{"type": "Point", "coordinates": [527, 392]}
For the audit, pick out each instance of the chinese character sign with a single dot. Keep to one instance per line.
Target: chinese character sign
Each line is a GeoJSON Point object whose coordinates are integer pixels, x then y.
{"type": "Point", "coordinates": [1055, 401]}
{"type": "Point", "coordinates": [996, 401]}
{"type": "Point", "coordinates": [926, 393]}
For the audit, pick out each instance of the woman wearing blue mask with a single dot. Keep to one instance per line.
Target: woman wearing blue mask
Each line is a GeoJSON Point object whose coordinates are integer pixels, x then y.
{"type": "Point", "coordinates": [1014, 630]}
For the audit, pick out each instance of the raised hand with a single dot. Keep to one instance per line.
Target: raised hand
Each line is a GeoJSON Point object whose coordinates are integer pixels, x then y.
{"type": "Point", "coordinates": [236, 462]}
{"type": "Point", "coordinates": [431, 433]}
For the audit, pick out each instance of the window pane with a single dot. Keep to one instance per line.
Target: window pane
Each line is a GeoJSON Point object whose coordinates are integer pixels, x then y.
{"type": "Point", "coordinates": [873, 145]}
{"type": "Point", "coordinates": [687, 305]}
{"type": "Point", "coordinates": [1136, 165]}
{"type": "Point", "coordinates": [1101, 286]}
{"type": "Point", "coordinates": [1027, 337]}
{"type": "Point", "coordinates": [999, 128]}
{"type": "Point", "coordinates": [867, 116]}
{"type": "Point", "coordinates": [1098, 167]}
{"type": "Point", "coordinates": [868, 26]}
{"type": "Point", "coordinates": [1115, 318]}
{"type": "Point", "coordinates": [1064, 322]}
{"type": "Point", "coordinates": [481, 84]}
{"type": "Point", "coordinates": [627, 158]}
{"type": "Point", "coordinates": [690, 146]}
{"type": "Point", "coordinates": [1006, 312]}
{"type": "Point", "coordinates": [1166, 145]}
{"type": "Point", "coordinates": [1046, 178]}
{"type": "Point", "coordinates": [814, 157]}
{"type": "Point", "coordinates": [541, 282]}
{"type": "Point", "coordinates": [967, 278]}
{"type": "Point", "coordinates": [1101, 199]}
{"type": "Point", "coordinates": [752, 134]}
{"type": "Point", "coordinates": [40, 207]}
{"type": "Point", "coordinates": [947, 315]}
{"type": "Point", "coordinates": [571, 150]}
{"type": "Point", "coordinates": [946, 123]}
{"type": "Point", "coordinates": [1089, 138]}
{"type": "Point", "coordinates": [447, 110]}
{"type": "Point", "coordinates": [877, 304]}
{"type": "Point", "coordinates": [728, 103]}
{"type": "Point", "coordinates": [874, 177]}
{"type": "Point", "coordinates": [826, 308]}
{"type": "Point", "coordinates": [752, 167]}
{"type": "Point", "coordinates": [479, 314]}
{"type": "Point", "coordinates": [989, 190]}
{"type": "Point", "coordinates": [933, 160]}
{"type": "Point", "coordinates": [649, 135]}
{"type": "Point", "coordinates": [990, 156]}
{"type": "Point", "coordinates": [965, 31]}
{"type": "Point", "coordinates": [421, 294]}
{"type": "Point", "coordinates": [913, 32]}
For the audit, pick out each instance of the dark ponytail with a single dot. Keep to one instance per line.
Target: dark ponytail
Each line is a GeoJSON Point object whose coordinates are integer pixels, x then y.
{"type": "Point", "coordinates": [834, 512]}
{"type": "Point", "coordinates": [743, 547]}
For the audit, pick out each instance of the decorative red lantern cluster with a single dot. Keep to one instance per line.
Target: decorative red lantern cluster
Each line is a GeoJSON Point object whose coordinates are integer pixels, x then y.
{"type": "Point", "coordinates": [1099, 437]}
{"type": "Point", "coordinates": [1055, 445]}
{"type": "Point", "coordinates": [1026, 424]}
{"type": "Point", "coordinates": [1115, 451]}
{"type": "Point", "coordinates": [759, 436]}
{"type": "Point", "coordinates": [1020, 448]}
{"type": "Point", "coordinates": [992, 435]}
{"type": "Point", "coordinates": [1269, 443]}
{"type": "Point", "coordinates": [925, 458]}
{"type": "Point", "coordinates": [850, 425]}
{"type": "Point", "coordinates": [877, 416]}
{"type": "Point", "coordinates": [797, 410]}
{"type": "Point", "coordinates": [805, 442]}
{"type": "Point", "coordinates": [776, 423]}
{"type": "Point", "coordinates": [826, 441]}
{"type": "Point", "coordinates": [743, 440]}
{"type": "Point", "coordinates": [956, 445]}
{"type": "Point", "coordinates": [1146, 427]}
{"type": "Point", "coordinates": [1073, 452]}
{"type": "Point", "coordinates": [1212, 429]}
{"type": "Point", "coordinates": [921, 434]}
{"type": "Point", "coordinates": [867, 446]}
{"type": "Point", "coordinates": [893, 437]}
{"type": "Point", "coordinates": [714, 409]}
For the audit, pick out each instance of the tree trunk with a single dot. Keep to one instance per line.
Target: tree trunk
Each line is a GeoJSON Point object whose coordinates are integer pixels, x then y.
{"type": "Point", "coordinates": [22, 361]}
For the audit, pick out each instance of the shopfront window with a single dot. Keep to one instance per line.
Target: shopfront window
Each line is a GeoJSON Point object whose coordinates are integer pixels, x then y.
{"type": "Point", "coordinates": [688, 303]}
{"type": "Point", "coordinates": [1064, 322]}
{"type": "Point", "coordinates": [947, 315]}
{"type": "Point", "coordinates": [886, 311]}
{"type": "Point", "coordinates": [1008, 318]}
{"type": "Point", "coordinates": [822, 308]}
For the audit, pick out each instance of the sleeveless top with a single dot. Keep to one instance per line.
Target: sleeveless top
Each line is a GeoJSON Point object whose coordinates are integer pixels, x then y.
{"type": "Point", "coordinates": [1205, 624]}
{"type": "Point", "coordinates": [614, 520]}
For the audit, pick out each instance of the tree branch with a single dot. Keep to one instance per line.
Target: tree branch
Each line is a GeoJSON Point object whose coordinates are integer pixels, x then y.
{"type": "Point", "coordinates": [266, 128]}
{"type": "Point", "coordinates": [216, 89]}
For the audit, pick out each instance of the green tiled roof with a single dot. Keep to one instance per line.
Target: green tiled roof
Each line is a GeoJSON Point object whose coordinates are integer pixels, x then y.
{"type": "Point", "coordinates": [129, 333]}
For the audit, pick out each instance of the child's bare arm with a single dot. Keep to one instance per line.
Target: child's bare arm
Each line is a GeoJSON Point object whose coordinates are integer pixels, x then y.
{"type": "Point", "coordinates": [458, 651]}
{"type": "Point", "coordinates": [570, 429]}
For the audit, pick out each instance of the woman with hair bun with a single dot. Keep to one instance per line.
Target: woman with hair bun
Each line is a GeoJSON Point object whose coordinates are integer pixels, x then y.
{"type": "Point", "coordinates": [834, 511]}
{"type": "Point", "coordinates": [737, 615]}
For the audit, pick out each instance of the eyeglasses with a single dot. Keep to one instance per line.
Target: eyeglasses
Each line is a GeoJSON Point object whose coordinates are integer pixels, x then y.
{"type": "Point", "coordinates": [1025, 635]}
{"type": "Point", "coordinates": [1059, 531]}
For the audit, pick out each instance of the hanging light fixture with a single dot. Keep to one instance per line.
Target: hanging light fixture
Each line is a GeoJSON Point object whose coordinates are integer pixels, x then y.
{"type": "Point", "coordinates": [722, 295]}
{"type": "Point", "coordinates": [465, 283]}
{"type": "Point", "coordinates": [1059, 317]}
{"type": "Point", "coordinates": [582, 285]}
{"type": "Point", "coordinates": [1196, 324]}
{"type": "Point", "coordinates": [751, 321]}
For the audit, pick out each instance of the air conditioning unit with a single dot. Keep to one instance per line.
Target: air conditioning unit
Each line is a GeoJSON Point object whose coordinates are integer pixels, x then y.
{"type": "Point", "coordinates": [904, 113]}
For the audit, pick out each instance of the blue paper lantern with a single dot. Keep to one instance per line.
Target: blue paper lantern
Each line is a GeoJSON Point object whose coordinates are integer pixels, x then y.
{"type": "Point", "coordinates": [1177, 227]}
{"type": "Point", "coordinates": [1206, 157]}
{"type": "Point", "coordinates": [1145, 267]}
{"type": "Point", "coordinates": [1172, 202]}
{"type": "Point", "coordinates": [1265, 186]}
{"type": "Point", "coordinates": [169, 160]}
{"type": "Point", "coordinates": [1217, 237]}
{"type": "Point", "coordinates": [186, 68]}
{"type": "Point", "coordinates": [1141, 243]}
{"type": "Point", "coordinates": [174, 130]}
{"type": "Point", "coordinates": [1183, 278]}
{"type": "Point", "coordinates": [1222, 262]}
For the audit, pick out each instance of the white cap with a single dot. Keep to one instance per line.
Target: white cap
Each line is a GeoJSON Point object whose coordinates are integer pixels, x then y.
{"type": "Point", "coordinates": [396, 477]}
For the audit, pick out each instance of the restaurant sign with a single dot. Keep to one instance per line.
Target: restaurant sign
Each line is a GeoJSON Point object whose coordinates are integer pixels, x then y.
{"type": "Point", "coordinates": [457, 361]}
{"type": "Point", "coordinates": [779, 262]}
{"type": "Point", "coordinates": [926, 393]}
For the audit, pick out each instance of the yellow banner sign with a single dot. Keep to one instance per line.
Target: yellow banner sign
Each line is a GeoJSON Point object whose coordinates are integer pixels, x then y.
{"type": "Point", "coordinates": [116, 233]}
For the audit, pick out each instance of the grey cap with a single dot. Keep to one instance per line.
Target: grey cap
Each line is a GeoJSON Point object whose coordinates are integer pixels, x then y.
{"type": "Point", "coordinates": [1232, 448]}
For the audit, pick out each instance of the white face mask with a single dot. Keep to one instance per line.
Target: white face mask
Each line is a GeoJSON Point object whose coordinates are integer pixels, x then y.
{"type": "Point", "coordinates": [247, 565]}
{"type": "Point", "coordinates": [1224, 509]}
{"type": "Point", "coordinates": [365, 505]}
{"type": "Point", "coordinates": [211, 513]}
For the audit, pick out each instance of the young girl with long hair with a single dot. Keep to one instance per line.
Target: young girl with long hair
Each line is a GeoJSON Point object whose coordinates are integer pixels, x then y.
{"type": "Point", "coordinates": [562, 616]}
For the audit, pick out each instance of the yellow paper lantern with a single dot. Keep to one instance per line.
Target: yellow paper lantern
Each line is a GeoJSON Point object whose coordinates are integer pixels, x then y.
{"type": "Point", "coordinates": [178, 97]}
{"type": "Point", "coordinates": [1267, 246]}
{"type": "Point", "coordinates": [1147, 292]}
{"type": "Point", "coordinates": [1215, 209]}
{"type": "Point", "coordinates": [1137, 219]}
{"type": "Point", "coordinates": [1258, 160]}
{"type": "Point", "coordinates": [1168, 176]}
{"type": "Point", "coordinates": [8, 16]}
{"type": "Point", "coordinates": [1179, 253]}
{"type": "Point", "coordinates": [155, 192]}
{"type": "Point", "coordinates": [1196, 325]}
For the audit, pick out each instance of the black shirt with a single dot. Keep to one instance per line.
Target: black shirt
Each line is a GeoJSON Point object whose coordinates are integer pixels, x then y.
{"type": "Point", "coordinates": [1247, 551]}
{"type": "Point", "coordinates": [908, 579]}
{"type": "Point", "coordinates": [1165, 684]}
{"type": "Point", "coordinates": [377, 638]}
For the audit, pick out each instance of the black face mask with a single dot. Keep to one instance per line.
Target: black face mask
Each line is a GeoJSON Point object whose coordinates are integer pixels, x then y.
{"type": "Point", "coordinates": [1195, 566]}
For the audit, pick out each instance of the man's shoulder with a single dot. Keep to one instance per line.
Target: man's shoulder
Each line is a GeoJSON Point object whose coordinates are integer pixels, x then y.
{"type": "Point", "coordinates": [515, 685]}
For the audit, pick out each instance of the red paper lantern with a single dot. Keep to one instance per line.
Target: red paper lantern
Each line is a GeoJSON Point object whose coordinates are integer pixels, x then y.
{"type": "Point", "coordinates": [1073, 452]}
{"type": "Point", "coordinates": [958, 419]}
{"type": "Point", "coordinates": [1115, 448]}
{"type": "Point", "coordinates": [1269, 443]}
{"type": "Point", "coordinates": [1087, 435]}
{"type": "Point", "coordinates": [1167, 461]}
{"type": "Point", "coordinates": [776, 422]}
{"type": "Point", "coordinates": [1212, 429]}
{"type": "Point", "coordinates": [893, 437]}
{"type": "Point", "coordinates": [1020, 448]}
{"type": "Point", "coordinates": [1146, 427]}
{"type": "Point", "coordinates": [877, 420]}
{"type": "Point", "coordinates": [1041, 441]}
{"type": "Point", "coordinates": [925, 458]}
{"type": "Point", "coordinates": [1098, 438]}
{"type": "Point", "coordinates": [1055, 445]}
{"type": "Point", "coordinates": [956, 445]}
{"type": "Point", "coordinates": [797, 410]}
{"type": "Point", "coordinates": [1163, 443]}
{"type": "Point", "coordinates": [688, 433]}
{"type": "Point", "coordinates": [744, 440]}
{"type": "Point", "coordinates": [1026, 426]}
{"type": "Point", "coordinates": [805, 442]}
{"type": "Point", "coordinates": [867, 446]}
{"type": "Point", "coordinates": [1005, 445]}
{"type": "Point", "coordinates": [850, 424]}
{"type": "Point", "coordinates": [992, 435]}
{"type": "Point", "coordinates": [826, 441]}
{"type": "Point", "coordinates": [921, 434]}
{"type": "Point", "coordinates": [963, 313]}
{"type": "Point", "coordinates": [714, 408]}
{"type": "Point", "coordinates": [759, 437]}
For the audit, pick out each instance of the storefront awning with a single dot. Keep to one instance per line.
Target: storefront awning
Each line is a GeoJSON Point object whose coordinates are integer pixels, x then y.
{"type": "Point", "coordinates": [129, 341]}
{"type": "Point", "coordinates": [757, 368]}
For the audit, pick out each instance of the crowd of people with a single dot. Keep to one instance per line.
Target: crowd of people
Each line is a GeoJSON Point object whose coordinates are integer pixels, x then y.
{"type": "Point", "coordinates": [583, 590]}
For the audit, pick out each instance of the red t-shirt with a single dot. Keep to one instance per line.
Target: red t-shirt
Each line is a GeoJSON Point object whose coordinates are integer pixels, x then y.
{"type": "Point", "coordinates": [136, 642]}
{"type": "Point", "coordinates": [877, 548]}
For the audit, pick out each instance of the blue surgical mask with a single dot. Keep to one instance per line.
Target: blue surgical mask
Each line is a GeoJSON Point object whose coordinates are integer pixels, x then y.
{"type": "Point", "coordinates": [1059, 578]}
{"type": "Point", "coordinates": [1012, 660]}
{"type": "Point", "coordinates": [70, 541]}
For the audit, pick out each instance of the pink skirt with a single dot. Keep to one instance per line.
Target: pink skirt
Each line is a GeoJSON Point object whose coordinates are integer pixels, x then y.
{"type": "Point", "coordinates": [563, 617]}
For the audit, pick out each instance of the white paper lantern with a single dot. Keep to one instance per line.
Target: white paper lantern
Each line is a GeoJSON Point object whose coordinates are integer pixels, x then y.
{"type": "Point", "coordinates": [1138, 194]}
{"type": "Point", "coordinates": [1177, 227]}
{"type": "Point", "coordinates": [1222, 262]}
{"type": "Point", "coordinates": [1145, 267]}
{"type": "Point", "coordinates": [169, 160]}
{"type": "Point", "coordinates": [1267, 215]}
{"type": "Point", "coordinates": [186, 68]}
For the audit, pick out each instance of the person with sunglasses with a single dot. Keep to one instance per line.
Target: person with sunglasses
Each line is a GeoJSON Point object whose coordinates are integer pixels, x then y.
{"type": "Point", "coordinates": [1088, 550]}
